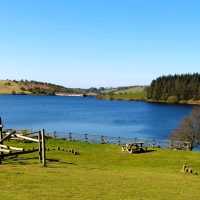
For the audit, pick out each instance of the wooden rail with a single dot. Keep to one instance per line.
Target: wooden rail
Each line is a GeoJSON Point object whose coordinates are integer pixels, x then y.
{"type": "Point", "coordinates": [18, 153]}
{"type": "Point", "coordinates": [11, 148]}
{"type": "Point", "coordinates": [26, 138]}
{"type": "Point", "coordinates": [8, 135]}
{"type": "Point", "coordinates": [7, 151]}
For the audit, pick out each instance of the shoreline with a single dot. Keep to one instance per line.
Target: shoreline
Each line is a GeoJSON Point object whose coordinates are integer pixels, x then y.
{"type": "Point", "coordinates": [189, 102]}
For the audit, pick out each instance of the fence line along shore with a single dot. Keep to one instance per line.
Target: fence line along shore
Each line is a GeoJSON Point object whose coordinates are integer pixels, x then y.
{"type": "Point", "coordinates": [105, 139]}
{"type": "Point", "coordinates": [100, 139]}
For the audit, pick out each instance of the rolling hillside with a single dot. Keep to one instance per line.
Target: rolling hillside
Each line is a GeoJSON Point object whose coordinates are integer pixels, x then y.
{"type": "Point", "coordinates": [35, 88]}
{"type": "Point", "coordinates": [124, 93]}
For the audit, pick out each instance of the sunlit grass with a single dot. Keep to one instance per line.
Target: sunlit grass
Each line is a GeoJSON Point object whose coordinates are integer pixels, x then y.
{"type": "Point", "coordinates": [99, 172]}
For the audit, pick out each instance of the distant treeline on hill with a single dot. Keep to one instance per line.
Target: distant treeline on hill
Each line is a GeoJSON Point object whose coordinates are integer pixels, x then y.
{"type": "Point", "coordinates": [175, 88]}
{"type": "Point", "coordinates": [39, 88]}
{"type": "Point", "coordinates": [36, 87]}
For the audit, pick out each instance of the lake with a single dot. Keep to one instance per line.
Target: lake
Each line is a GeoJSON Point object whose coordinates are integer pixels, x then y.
{"type": "Point", "coordinates": [89, 115]}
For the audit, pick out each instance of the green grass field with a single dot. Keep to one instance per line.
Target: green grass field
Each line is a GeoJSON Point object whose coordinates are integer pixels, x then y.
{"type": "Point", "coordinates": [100, 172]}
{"type": "Point", "coordinates": [132, 93]}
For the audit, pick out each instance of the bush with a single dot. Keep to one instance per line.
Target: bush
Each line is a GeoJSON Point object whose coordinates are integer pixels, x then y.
{"type": "Point", "coordinates": [23, 88]}
{"type": "Point", "coordinates": [189, 129]}
{"type": "Point", "coordinates": [172, 99]}
{"type": "Point", "coordinates": [13, 92]}
{"type": "Point", "coordinates": [7, 84]}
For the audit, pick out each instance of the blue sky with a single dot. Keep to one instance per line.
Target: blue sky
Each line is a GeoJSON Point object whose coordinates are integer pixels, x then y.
{"type": "Point", "coordinates": [84, 43]}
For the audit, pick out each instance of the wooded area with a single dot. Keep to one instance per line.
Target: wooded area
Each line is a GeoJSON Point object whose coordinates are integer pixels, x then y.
{"type": "Point", "coordinates": [175, 88]}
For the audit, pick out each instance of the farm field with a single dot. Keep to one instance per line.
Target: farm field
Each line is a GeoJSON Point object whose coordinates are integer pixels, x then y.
{"type": "Point", "coordinates": [130, 93]}
{"type": "Point", "coordinates": [101, 171]}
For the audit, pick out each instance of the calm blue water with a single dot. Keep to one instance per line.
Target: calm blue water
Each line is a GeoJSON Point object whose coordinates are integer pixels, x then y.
{"type": "Point", "coordinates": [88, 115]}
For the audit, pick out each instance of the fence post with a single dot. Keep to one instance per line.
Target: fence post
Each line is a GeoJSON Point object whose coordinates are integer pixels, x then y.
{"type": "Point", "coordinates": [70, 136]}
{"type": "Point", "coordinates": [86, 137]}
{"type": "Point", "coordinates": [1, 134]}
{"type": "Point", "coordinates": [135, 139]}
{"type": "Point", "coordinates": [54, 134]}
{"type": "Point", "coordinates": [43, 149]}
{"type": "Point", "coordinates": [102, 140]}
{"type": "Point", "coordinates": [40, 146]}
{"type": "Point", "coordinates": [119, 141]}
{"type": "Point", "coordinates": [154, 143]}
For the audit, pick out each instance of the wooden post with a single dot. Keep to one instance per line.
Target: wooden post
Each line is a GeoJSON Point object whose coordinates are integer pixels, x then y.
{"type": "Point", "coordinates": [119, 141]}
{"type": "Point", "coordinates": [70, 136]}
{"type": "Point", "coordinates": [154, 143]}
{"type": "Point", "coordinates": [40, 146]}
{"type": "Point", "coordinates": [86, 137]}
{"type": "Point", "coordinates": [135, 140]}
{"type": "Point", "coordinates": [102, 140]}
{"type": "Point", "coordinates": [43, 149]}
{"type": "Point", "coordinates": [1, 129]}
{"type": "Point", "coordinates": [54, 134]}
{"type": "Point", "coordinates": [1, 134]}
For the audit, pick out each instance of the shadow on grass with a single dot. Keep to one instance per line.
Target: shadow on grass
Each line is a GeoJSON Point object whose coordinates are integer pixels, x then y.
{"type": "Point", "coordinates": [25, 160]}
{"type": "Point", "coordinates": [141, 152]}
{"type": "Point", "coordinates": [20, 160]}
{"type": "Point", "coordinates": [59, 161]}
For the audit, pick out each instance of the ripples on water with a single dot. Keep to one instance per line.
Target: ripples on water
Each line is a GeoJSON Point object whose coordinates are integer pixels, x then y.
{"type": "Point", "coordinates": [88, 115]}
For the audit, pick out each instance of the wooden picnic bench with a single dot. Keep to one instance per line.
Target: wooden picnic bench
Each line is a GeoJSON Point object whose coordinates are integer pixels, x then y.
{"type": "Point", "coordinates": [136, 147]}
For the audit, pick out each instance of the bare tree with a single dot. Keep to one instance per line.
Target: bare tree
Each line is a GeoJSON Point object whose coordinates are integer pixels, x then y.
{"type": "Point", "coordinates": [189, 129]}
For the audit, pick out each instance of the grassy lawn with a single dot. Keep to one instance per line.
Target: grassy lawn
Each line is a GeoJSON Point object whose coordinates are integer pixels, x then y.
{"type": "Point", "coordinates": [100, 172]}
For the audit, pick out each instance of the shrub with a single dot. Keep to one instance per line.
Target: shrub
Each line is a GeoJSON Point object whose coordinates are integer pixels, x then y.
{"type": "Point", "coordinates": [189, 129]}
{"type": "Point", "coordinates": [13, 92]}
{"type": "Point", "coordinates": [172, 99]}
{"type": "Point", "coordinates": [7, 84]}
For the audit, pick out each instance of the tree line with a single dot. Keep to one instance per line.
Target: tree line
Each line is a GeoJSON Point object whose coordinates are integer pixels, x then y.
{"type": "Point", "coordinates": [45, 88]}
{"type": "Point", "coordinates": [175, 88]}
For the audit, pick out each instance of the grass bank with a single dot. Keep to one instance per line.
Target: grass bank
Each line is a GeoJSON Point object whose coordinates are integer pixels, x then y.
{"type": "Point", "coordinates": [139, 93]}
{"type": "Point", "coordinates": [133, 93]}
{"type": "Point", "coordinates": [100, 172]}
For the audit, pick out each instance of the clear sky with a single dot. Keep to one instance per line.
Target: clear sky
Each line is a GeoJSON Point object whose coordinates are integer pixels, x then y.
{"type": "Point", "coordinates": [83, 43]}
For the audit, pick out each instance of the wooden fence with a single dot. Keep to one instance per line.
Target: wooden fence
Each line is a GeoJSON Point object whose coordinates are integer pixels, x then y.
{"type": "Point", "coordinates": [9, 151]}
{"type": "Point", "coordinates": [102, 139]}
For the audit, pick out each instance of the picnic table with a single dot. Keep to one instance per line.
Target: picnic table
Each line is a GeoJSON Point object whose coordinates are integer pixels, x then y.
{"type": "Point", "coordinates": [136, 147]}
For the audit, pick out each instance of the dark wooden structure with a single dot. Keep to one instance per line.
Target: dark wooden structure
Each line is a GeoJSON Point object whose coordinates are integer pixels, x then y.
{"type": "Point", "coordinates": [137, 147]}
{"type": "Point", "coordinates": [9, 151]}
{"type": "Point", "coordinates": [181, 145]}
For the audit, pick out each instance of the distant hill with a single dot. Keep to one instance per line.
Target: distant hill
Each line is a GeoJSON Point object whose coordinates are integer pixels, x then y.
{"type": "Point", "coordinates": [183, 89]}
{"type": "Point", "coordinates": [124, 93]}
{"type": "Point", "coordinates": [26, 87]}
{"type": "Point", "coordinates": [37, 88]}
